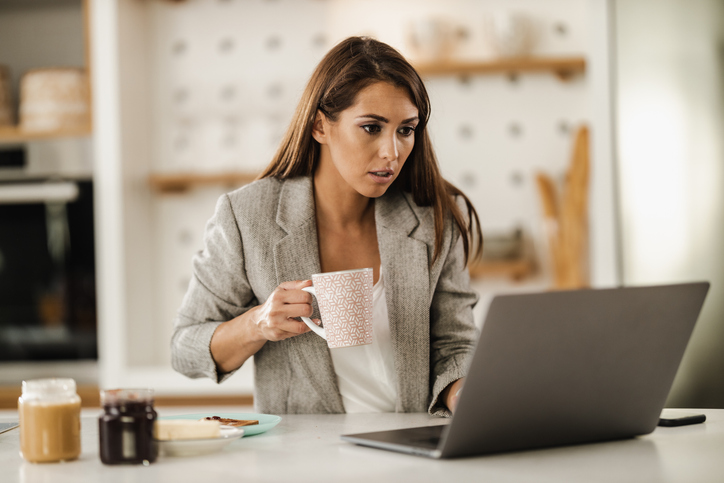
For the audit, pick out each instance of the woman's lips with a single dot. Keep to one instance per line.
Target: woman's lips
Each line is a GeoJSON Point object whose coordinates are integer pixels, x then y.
{"type": "Point", "coordinates": [382, 176]}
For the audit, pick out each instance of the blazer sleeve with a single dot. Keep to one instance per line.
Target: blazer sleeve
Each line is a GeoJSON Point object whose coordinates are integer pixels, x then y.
{"type": "Point", "coordinates": [218, 292]}
{"type": "Point", "coordinates": [453, 333]}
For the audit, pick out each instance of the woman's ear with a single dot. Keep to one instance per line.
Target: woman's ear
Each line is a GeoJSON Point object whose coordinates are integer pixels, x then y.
{"type": "Point", "coordinates": [319, 129]}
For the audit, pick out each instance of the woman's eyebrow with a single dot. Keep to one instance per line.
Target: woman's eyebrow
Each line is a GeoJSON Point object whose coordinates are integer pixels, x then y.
{"type": "Point", "coordinates": [377, 117]}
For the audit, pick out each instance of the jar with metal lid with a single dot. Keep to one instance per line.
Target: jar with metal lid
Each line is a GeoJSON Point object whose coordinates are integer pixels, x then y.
{"type": "Point", "coordinates": [126, 427]}
{"type": "Point", "coordinates": [49, 412]}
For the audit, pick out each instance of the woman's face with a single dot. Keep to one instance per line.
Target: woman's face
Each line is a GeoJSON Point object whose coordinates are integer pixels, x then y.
{"type": "Point", "coordinates": [370, 141]}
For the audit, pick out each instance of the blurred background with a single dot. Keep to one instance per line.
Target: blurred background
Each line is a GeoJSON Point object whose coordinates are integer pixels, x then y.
{"type": "Point", "coordinates": [587, 133]}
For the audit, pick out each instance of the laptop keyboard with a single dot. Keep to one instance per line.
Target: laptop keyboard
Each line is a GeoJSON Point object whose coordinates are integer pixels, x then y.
{"type": "Point", "coordinates": [432, 442]}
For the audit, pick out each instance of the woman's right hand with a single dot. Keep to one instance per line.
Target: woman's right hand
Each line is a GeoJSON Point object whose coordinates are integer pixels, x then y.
{"type": "Point", "coordinates": [233, 342]}
{"type": "Point", "coordinates": [274, 319]}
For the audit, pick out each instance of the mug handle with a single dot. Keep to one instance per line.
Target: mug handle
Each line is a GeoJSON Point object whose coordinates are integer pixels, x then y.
{"type": "Point", "coordinates": [317, 329]}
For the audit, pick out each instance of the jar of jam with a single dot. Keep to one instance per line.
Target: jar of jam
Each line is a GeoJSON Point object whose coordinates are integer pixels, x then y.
{"type": "Point", "coordinates": [49, 412]}
{"type": "Point", "coordinates": [126, 427]}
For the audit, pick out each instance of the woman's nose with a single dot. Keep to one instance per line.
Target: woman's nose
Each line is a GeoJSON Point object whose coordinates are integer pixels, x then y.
{"type": "Point", "coordinates": [388, 150]}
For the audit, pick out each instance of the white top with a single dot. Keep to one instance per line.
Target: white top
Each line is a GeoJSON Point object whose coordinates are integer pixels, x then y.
{"type": "Point", "coordinates": [366, 374]}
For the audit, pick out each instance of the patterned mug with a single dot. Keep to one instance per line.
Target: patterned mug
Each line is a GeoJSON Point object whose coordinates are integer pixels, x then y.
{"type": "Point", "coordinates": [345, 303]}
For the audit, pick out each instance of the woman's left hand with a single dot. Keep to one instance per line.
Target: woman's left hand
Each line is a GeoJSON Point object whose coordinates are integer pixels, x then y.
{"type": "Point", "coordinates": [451, 394]}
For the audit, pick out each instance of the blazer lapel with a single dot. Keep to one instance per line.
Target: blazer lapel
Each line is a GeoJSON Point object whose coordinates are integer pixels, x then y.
{"type": "Point", "coordinates": [407, 289]}
{"type": "Point", "coordinates": [296, 257]}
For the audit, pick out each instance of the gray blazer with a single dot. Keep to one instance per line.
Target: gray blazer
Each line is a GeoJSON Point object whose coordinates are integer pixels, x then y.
{"type": "Point", "coordinates": [264, 234]}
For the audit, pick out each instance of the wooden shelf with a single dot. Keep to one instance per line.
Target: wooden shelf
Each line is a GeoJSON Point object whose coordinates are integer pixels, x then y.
{"type": "Point", "coordinates": [180, 182]}
{"type": "Point", "coordinates": [12, 134]}
{"type": "Point", "coordinates": [563, 67]}
{"type": "Point", "coordinates": [90, 398]}
{"type": "Point", "coordinates": [515, 269]}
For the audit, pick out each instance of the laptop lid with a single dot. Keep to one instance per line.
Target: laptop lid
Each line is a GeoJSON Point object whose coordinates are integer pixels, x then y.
{"type": "Point", "coordinates": [570, 367]}
{"type": "Point", "coordinates": [558, 368]}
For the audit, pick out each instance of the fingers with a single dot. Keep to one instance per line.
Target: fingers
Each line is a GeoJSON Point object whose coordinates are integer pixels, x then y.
{"type": "Point", "coordinates": [453, 394]}
{"type": "Point", "coordinates": [295, 284]}
{"type": "Point", "coordinates": [454, 402]}
{"type": "Point", "coordinates": [292, 293]}
{"type": "Point", "coordinates": [287, 329]}
{"type": "Point", "coordinates": [286, 303]}
{"type": "Point", "coordinates": [296, 298]}
{"type": "Point", "coordinates": [281, 310]}
{"type": "Point", "coordinates": [290, 301]}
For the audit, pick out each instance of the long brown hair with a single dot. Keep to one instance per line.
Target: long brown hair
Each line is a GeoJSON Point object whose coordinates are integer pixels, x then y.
{"type": "Point", "coordinates": [349, 67]}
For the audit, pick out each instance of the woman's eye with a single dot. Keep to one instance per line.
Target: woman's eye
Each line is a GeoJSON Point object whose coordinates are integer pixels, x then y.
{"type": "Point", "coordinates": [371, 128]}
{"type": "Point", "coordinates": [407, 131]}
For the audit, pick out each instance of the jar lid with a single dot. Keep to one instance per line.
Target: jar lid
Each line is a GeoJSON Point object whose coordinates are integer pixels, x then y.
{"type": "Point", "coordinates": [55, 388]}
{"type": "Point", "coordinates": [115, 397]}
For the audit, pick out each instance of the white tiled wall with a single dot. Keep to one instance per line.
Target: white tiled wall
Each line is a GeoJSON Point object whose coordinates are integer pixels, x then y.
{"type": "Point", "coordinates": [227, 74]}
{"type": "Point", "coordinates": [227, 78]}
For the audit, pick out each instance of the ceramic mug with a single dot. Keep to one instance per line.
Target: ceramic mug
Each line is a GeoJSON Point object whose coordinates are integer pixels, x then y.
{"type": "Point", "coordinates": [345, 303]}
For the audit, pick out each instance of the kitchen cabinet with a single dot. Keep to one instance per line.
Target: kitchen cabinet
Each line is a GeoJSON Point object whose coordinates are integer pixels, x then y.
{"type": "Point", "coordinates": [46, 34]}
{"type": "Point", "coordinates": [42, 34]}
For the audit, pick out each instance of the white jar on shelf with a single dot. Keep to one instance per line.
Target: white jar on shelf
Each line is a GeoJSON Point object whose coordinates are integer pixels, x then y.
{"type": "Point", "coordinates": [54, 99]}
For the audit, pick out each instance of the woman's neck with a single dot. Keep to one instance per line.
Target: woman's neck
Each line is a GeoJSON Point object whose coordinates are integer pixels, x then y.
{"type": "Point", "coordinates": [346, 230]}
{"type": "Point", "coordinates": [338, 205]}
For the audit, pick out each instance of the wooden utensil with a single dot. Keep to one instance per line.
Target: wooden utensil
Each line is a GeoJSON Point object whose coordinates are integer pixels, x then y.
{"type": "Point", "coordinates": [567, 220]}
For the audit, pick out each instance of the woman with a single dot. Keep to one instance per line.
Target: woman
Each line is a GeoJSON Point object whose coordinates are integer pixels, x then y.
{"type": "Point", "coordinates": [354, 184]}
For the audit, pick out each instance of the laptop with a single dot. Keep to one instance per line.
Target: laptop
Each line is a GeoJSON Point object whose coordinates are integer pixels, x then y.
{"type": "Point", "coordinates": [562, 368]}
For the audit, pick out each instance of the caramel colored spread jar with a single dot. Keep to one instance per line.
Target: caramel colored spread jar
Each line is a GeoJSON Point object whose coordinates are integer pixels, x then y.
{"type": "Point", "coordinates": [49, 411]}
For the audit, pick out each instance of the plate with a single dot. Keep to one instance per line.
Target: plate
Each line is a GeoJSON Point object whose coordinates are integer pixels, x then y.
{"type": "Point", "coordinates": [266, 421]}
{"type": "Point", "coordinates": [189, 447]}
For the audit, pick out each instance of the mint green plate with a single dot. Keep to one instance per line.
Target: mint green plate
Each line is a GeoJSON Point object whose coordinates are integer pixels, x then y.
{"type": "Point", "coordinates": [266, 421]}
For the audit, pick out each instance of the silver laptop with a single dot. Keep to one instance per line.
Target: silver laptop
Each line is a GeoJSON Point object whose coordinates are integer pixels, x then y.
{"type": "Point", "coordinates": [561, 368]}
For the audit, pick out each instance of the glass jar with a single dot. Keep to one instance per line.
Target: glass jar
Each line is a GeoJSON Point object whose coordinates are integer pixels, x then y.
{"type": "Point", "coordinates": [49, 411]}
{"type": "Point", "coordinates": [126, 427]}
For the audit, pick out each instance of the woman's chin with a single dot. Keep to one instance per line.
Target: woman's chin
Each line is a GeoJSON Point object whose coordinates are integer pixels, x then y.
{"type": "Point", "coordinates": [374, 191]}
{"type": "Point", "coordinates": [376, 186]}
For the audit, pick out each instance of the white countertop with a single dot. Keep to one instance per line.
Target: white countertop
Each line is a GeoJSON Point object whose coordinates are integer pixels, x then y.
{"type": "Point", "coordinates": [307, 448]}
